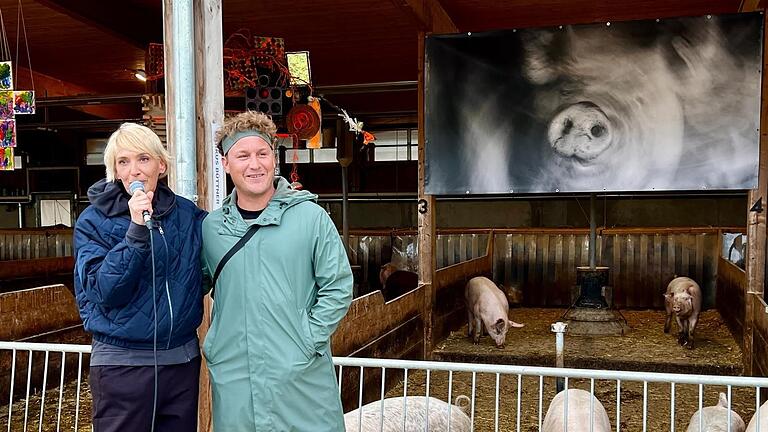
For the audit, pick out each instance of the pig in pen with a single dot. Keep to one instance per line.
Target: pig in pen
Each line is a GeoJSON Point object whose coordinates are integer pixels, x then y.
{"type": "Point", "coordinates": [671, 104]}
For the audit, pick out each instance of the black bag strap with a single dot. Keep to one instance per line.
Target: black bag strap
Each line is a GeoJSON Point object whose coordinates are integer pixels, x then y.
{"type": "Point", "coordinates": [239, 245]}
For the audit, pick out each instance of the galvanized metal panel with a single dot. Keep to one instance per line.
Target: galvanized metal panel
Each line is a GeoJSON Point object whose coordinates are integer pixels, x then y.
{"type": "Point", "coordinates": [32, 244]}
{"type": "Point", "coordinates": [642, 264]}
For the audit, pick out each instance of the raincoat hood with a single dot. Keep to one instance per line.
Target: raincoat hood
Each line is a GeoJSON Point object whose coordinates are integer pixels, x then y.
{"type": "Point", "coordinates": [284, 198]}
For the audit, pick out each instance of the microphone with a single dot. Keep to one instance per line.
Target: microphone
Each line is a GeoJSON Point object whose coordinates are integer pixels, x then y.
{"type": "Point", "coordinates": [134, 187]}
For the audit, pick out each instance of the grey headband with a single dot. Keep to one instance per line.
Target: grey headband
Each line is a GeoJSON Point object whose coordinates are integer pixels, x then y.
{"type": "Point", "coordinates": [230, 140]}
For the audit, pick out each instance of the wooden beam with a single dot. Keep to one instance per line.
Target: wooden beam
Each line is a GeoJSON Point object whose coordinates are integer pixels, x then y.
{"type": "Point", "coordinates": [35, 268]}
{"type": "Point", "coordinates": [756, 229]}
{"type": "Point", "coordinates": [211, 178]}
{"type": "Point", "coordinates": [751, 5]}
{"type": "Point", "coordinates": [48, 86]}
{"type": "Point", "coordinates": [111, 18]}
{"type": "Point", "coordinates": [429, 15]}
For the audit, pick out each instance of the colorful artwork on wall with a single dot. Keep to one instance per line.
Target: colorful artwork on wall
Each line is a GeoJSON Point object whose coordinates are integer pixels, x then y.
{"type": "Point", "coordinates": [6, 105]}
{"type": "Point", "coordinates": [24, 102]}
{"type": "Point", "coordinates": [8, 134]}
{"type": "Point", "coordinates": [6, 76]}
{"type": "Point", "coordinates": [6, 159]}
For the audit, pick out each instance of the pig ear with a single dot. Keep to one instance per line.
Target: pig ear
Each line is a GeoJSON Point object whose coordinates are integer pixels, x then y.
{"type": "Point", "coordinates": [499, 326]}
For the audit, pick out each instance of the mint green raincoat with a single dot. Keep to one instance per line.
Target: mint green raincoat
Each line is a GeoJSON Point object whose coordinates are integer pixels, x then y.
{"type": "Point", "coordinates": [277, 302]}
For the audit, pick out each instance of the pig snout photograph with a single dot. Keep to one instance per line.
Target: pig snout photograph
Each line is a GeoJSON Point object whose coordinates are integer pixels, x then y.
{"type": "Point", "coordinates": [655, 105]}
{"type": "Point", "coordinates": [645, 122]}
{"type": "Point", "coordinates": [487, 308]}
{"type": "Point", "coordinates": [683, 301]}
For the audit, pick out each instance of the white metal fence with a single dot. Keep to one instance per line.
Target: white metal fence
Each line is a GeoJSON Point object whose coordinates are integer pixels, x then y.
{"type": "Point", "coordinates": [500, 397]}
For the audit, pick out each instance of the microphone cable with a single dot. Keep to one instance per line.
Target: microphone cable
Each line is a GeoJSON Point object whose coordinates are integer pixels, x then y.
{"type": "Point", "coordinates": [135, 186]}
{"type": "Point", "coordinates": [154, 333]}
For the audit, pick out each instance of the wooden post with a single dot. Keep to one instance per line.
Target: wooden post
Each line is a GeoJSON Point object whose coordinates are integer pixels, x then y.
{"type": "Point", "coordinates": [211, 181]}
{"type": "Point", "coordinates": [430, 17]}
{"type": "Point", "coordinates": [755, 262]}
{"type": "Point", "coordinates": [426, 214]}
{"type": "Point", "coordinates": [168, 82]}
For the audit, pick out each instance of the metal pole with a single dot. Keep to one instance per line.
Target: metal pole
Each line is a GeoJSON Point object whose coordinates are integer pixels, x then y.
{"type": "Point", "coordinates": [559, 329]}
{"type": "Point", "coordinates": [21, 216]}
{"type": "Point", "coordinates": [592, 233]}
{"type": "Point", "coordinates": [345, 208]}
{"type": "Point", "coordinates": [183, 93]}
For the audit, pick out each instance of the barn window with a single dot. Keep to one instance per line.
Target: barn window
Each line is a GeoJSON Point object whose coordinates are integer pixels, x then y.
{"type": "Point", "coordinates": [396, 145]}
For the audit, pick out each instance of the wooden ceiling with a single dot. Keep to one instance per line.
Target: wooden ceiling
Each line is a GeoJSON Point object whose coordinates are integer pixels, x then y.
{"type": "Point", "coordinates": [86, 47]}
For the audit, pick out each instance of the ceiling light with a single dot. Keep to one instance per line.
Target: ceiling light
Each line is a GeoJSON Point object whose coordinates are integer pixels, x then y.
{"type": "Point", "coordinates": [140, 74]}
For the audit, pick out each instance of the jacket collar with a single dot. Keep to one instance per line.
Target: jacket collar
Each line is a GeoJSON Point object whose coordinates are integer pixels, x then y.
{"type": "Point", "coordinates": [284, 198]}
{"type": "Point", "coordinates": [111, 198]}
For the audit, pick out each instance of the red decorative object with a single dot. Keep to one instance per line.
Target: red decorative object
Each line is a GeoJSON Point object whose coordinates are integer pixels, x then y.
{"type": "Point", "coordinates": [303, 121]}
{"type": "Point", "coordinates": [253, 62]}
{"type": "Point", "coordinates": [153, 64]}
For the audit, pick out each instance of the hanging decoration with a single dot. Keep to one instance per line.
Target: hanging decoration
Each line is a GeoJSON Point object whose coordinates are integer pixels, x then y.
{"type": "Point", "coordinates": [6, 159]}
{"type": "Point", "coordinates": [316, 141]}
{"type": "Point", "coordinates": [24, 102]}
{"type": "Point", "coordinates": [353, 124]}
{"type": "Point", "coordinates": [303, 121]}
{"type": "Point", "coordinates": [12, 102]}
{"type": "Point", "coordinates": [6, 75]}
{"type": "Point", "coordinates": [8, 134]}
{"type": "Point", "coordinates": [6, 106]}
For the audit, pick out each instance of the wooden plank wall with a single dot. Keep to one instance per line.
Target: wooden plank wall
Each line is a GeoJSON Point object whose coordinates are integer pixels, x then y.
{"type": "Point", "coordinates": [731, 289]}
{"type": "Point", "coordinates": [35, 311]}
{"type": "Point", "coordinates": [23, 244]}
{"type": "Point", "coordinates": [373, 328]}
{"type": "Point", "coordinates": [44, 314]}
{"type": "Point", "coordinates": [543, 262]}
{"type": "Point", "coordinates": [760, 336]}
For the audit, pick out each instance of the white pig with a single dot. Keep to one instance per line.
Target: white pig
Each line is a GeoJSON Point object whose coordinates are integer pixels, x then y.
{"type": "Point", "coordinates": [683, 299]}
{"type": "Point", "coordinates": [762, 415]}
{"type": "Point", "coordinates": [578, 413]}
{"type": "Point", "coordinates": [715, 418]}
{"type": "Point", "coordinates": [487, 305]}
{"type": "Point", "coordinates": [415, 420]}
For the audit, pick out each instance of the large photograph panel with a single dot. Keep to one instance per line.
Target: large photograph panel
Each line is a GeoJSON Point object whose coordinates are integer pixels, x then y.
{"type": "Point", "coordinates": [672, 104]}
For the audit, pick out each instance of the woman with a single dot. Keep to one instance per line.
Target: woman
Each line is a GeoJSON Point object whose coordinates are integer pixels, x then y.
{"type": "Point", "coordinates": [139, 290]}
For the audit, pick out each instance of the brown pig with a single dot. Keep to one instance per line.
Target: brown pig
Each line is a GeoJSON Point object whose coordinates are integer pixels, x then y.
{"type": "Point", "coordinates": [683, 299]}
{"type": "Point", "coordinates": [487, 306]}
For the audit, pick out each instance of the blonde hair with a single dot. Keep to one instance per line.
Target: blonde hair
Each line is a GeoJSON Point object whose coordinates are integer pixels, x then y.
{"type": "Point", "coordinates": [249, 120]}
{"type": "Point", "coordinates": [137, 138]}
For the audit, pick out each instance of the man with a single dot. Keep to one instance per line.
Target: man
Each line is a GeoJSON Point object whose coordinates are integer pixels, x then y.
{"type": "Point", "coordinates": [277, 300]}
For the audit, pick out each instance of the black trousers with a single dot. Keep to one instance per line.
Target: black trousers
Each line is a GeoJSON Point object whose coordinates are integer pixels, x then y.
{"type": "Point", "coordinates": [123, 397]}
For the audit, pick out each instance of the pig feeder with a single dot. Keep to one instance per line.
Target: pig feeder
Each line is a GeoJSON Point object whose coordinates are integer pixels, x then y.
{"type": "Point", "coordinates": [590, 314]}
